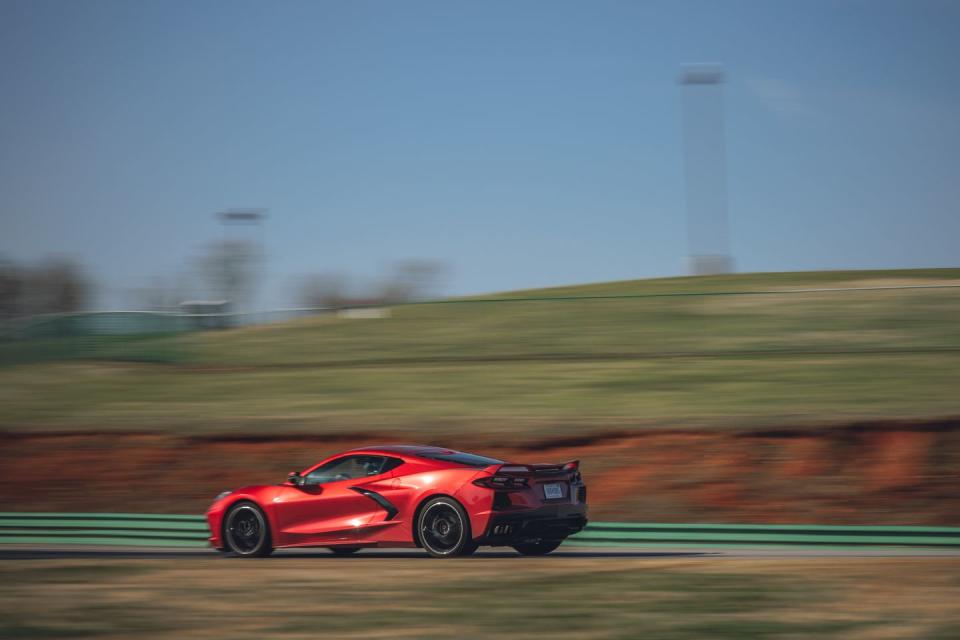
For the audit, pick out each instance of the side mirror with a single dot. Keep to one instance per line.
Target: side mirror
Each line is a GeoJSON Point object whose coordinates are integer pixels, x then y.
{"type": "Point", "coordinates": [295, 478]}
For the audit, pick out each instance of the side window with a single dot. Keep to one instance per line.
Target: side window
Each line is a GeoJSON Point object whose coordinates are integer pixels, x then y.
{"type": "Point", "coordinates": [390, 464]}
{"type": "Point", "coordinates": [348, 468]}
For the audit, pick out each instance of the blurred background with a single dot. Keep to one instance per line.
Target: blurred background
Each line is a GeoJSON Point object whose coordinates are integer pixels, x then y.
{"type": "Point", "coordinates": [261, 223]}
{"type": "Point", "coordinates": [709, 248]}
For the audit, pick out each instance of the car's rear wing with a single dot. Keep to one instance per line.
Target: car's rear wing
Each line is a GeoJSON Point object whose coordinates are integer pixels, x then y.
{"type": "Point", "coordinates": [539, 469]}
{"type": "Point", "coordinates": [515, 476]}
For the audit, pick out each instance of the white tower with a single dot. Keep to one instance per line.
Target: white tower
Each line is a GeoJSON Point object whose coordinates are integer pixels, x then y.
{"type": "Point", "coordinates": [704, 156]}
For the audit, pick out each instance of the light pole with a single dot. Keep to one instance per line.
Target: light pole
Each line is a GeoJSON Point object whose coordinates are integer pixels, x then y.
{"type": "Point", "coordinates": [250, 217]}
{"type": "Point", "coordinates": [705, 172]}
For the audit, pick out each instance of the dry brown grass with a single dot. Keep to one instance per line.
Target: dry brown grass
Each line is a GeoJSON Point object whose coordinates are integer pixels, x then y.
{"type": "Point", "coordinates": [561, 597]}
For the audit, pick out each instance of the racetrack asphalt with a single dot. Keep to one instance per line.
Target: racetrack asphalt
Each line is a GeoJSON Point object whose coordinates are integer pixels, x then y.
{"type": "Point", "coordinates": [22, 552]}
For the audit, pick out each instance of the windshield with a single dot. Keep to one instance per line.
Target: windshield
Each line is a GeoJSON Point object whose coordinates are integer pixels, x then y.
{"type": "Point", "coordinates": [459, 457]}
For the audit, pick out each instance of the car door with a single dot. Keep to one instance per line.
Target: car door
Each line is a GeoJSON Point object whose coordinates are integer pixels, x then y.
{"type": "Point", "coordinates": [336, 501]}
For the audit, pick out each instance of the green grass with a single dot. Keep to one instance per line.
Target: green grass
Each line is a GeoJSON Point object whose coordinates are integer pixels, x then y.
{"type": "Point", "coordinates": [612, 598]}
{"type": "Point", "coordinates": [514, 399]}
{"type": "Point", "coordinates": [736, 282]}
{"type": "Point", "coordinates": [539, 366]}
{"type": "Point", "coordinates": [527, 327]}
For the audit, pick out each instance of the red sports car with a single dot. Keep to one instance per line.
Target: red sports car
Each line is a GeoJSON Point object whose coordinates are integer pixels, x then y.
{"type": "Point", "coordinates": [447, 502]}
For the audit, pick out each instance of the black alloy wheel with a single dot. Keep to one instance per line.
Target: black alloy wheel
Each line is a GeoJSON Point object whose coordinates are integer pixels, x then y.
{"type": "Point", "coordinates": [246, 532]}
{"type": "Point", "coordinates": [443, 529]}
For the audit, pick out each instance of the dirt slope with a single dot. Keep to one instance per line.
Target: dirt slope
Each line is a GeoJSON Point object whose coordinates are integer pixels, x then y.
{"type": "Point", "coordinates": [882, 473]}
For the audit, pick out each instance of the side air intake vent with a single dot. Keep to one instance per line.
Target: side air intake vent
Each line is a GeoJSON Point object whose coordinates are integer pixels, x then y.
{"type": "Point", "coordinates": [501, 501]}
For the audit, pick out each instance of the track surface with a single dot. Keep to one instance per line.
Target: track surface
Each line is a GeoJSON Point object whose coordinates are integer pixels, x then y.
{"type": "Point", "coordinates": [16, 552]}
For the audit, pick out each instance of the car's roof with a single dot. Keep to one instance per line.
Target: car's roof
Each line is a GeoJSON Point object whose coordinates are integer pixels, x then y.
{"type": "Point", "coordinates": [408, 449]}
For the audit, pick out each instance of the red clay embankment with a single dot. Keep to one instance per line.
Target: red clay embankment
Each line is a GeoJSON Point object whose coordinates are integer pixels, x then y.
{"type": "Point", "coordinates": [865, 473]}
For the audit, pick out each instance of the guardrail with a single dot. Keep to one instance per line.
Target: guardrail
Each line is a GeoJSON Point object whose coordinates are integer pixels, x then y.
{"type": "Point", "coordinates": [191, 531]}
{"type": "Point", "coordinates": [104, 529]}
{"type": "Point", "coordinates": [624, 534]}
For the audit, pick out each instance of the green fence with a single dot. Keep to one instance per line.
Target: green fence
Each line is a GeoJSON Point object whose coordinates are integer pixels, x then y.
{"type": "Point", "coordinates": [191, 531]}
{"type": "Point", "coordinates": [103, 529]}
{"type": "Point", "coordinates": [643, 534]}
{"type": "Point", "coordinates": [119, 336]}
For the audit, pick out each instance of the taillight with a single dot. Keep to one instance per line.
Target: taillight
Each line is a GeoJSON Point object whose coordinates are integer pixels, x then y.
{"type": "Point", "coordinates": [503, 483]}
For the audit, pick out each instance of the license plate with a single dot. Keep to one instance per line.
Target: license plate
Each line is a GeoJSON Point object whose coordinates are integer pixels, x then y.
{"type": "Point", "coordinates": [553, 490]}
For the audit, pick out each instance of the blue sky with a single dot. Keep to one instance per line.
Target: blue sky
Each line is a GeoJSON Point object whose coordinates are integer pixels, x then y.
{"type": "Point", "coordinates": [520, 143]}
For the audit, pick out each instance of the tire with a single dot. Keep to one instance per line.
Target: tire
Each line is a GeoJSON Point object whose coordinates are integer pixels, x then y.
{"type": "Point", "coordinates": [246, 532]}
{"type": "Point", "coordinates": [344, 551]}
{"type": "Point", "coordinates": [541, 548]}
{"type": "Point", "coordinates": [443, 529]}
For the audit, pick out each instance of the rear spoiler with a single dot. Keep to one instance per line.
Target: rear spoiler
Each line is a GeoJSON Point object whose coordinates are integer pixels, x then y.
{"type": "Point", "coordinates": [510, 469]}
{"type": "Point", "coordinates": [514, 477]}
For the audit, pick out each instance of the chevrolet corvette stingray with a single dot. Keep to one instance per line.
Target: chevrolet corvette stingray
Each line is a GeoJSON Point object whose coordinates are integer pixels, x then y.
{"type": "Point", "coordinates": [447, 502]}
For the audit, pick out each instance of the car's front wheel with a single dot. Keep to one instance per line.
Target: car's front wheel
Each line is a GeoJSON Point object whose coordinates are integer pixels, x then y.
{"type": "Point", "coordinates": [540, 548]}
{"type": "Point", "coordinates": [246, 531]}
{"type": "Point", "coordinates": [443, 529]}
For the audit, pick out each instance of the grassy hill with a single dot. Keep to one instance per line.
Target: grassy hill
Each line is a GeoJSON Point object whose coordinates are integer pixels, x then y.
{"type": "Point", "coordinates": [737, 350]}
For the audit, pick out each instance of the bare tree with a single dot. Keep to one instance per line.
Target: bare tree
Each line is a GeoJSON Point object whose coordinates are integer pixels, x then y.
{"type": "Point", "coordinates": [413, 280]}
{"type": "Point", "coordinates": [327, 290]}
{"type": "Point", "coordinates": [56, 286]}
{"type": "Point", "coordinates": [11, 289]}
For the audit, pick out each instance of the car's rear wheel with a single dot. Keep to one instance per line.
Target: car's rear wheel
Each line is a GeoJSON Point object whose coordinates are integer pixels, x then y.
{"type": "Point", "coordinates": [246, 531]}
{"type": "Point", "coordinates": [344, 551]}
{"type": "Point", "coordinates": [443, 529]}
{"type": "Point", "coordinates": [541, 548]}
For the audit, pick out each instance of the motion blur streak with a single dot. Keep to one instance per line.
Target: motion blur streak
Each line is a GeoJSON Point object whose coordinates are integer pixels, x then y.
{"type": "Point", "coordinates": [706, 249]}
